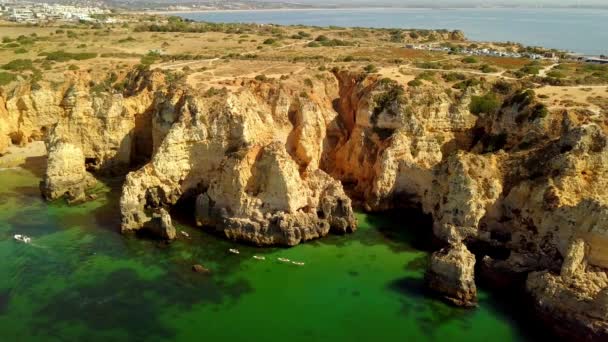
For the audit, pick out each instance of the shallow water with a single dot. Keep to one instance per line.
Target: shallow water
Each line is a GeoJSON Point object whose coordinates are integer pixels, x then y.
{"type": "Point", "coordinates": [80, 280]}
{"type": "Point", "coordinates": [579, 30]}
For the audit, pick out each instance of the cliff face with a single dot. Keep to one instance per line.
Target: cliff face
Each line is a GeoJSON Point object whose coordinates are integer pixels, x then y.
{"type": "Point", "coordinates": [266, 162]}
{"type": "Point", "coordinates": [250, 160]}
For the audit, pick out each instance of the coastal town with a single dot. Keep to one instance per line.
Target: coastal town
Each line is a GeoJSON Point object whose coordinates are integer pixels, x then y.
{"type": "Point", "coordinates": [472, 51]}
{"type": "Point", "coordinates": [35, 13]}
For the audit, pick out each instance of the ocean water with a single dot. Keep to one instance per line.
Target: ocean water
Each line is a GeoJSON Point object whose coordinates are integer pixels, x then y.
{"type": "Point", "coordinates": [80, 280]}
{"type": "Point", "coordinates": [578, 30]}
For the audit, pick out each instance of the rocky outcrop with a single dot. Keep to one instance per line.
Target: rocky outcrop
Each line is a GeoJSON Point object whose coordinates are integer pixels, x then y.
{"type": "Point", "coordinates": [576, 300]}
{"type": "Point", "coordinates": [66, 174]}
{"type": "Point", "coordinates": [451, 274]}
{"type": "Point", "coordinates": [161, 225]}
{"type": "Point", "coordinates": [516, 179]}
{"type": "Point", "coordinates": [457, 35]}
{"type": "Point", "coordinates": [250, 160]}
{"type": "Point", "coordinates": [260, 197]}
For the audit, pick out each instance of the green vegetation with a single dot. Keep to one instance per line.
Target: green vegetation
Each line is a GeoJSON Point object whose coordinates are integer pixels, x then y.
{"type": "Point", "coordinates": [428, 65]}
{"type": "Point", "coordinates": [530, 69]}
{"type": "Point", "coordinates": [503, 87]}
{"type": "Point", "coordinates": [469, 60]}
{"type": "Point", "coordinates": [415, 83]}
{"type": "Point", "coordinates": [488, 69]}
{"type": "Point", "coordinates": [19, 65]}
{"type": "Point", "coordinates": [521, 99]}
{"type": "Point", "coordinates": [261, 78]}
{"type": "Point", "coordinates": [486, 104]}
{"type": "Point", "coordinates": [385, 101]}
{"type": "Point", "coordinates": [370, 69]}
{"type": "Point", "coordinates": [325, 41]}
{"type": "Point", "coordinates": [6, 78]}
{"type": "Point", "coordinates": [211, 92]}
{"type": "Point", "coordinates": [453, 77]}
{"type": "Point", "coordinates": [472, 82]}
{"type": "Point", "coordinates": [397, 36]}
{"type": "Point", "coordinates": [62, 56]}
{"type": "Point", "coordinates": [106, 85]}
{"type": "Point", "coordinates": [556, 74]}
{"type": "Point", "coordinates": [177, 24]}
{"type": "Point", "coordinates": [301, 35]}
{"type": "Point", "coordinates": [150, 58]}
{"type": "Point", "coordinates": [539, 111]}
{"type": "Point", "coordinates": [127, 40]}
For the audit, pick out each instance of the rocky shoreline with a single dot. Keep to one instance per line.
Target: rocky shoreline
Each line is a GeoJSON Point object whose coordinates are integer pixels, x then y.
{"type": "Point", "coordinates": [267, 162]}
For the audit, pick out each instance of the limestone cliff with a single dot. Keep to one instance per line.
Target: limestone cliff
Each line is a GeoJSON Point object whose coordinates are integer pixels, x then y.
{"type": "Point", "coordinates": [66, 174]}
{"type": "Point", "coordinates": [250, 159]}
{"type": "Point", "coordinates": [278, 161]}
{"type": "Point", "coordinates": [452, 274]}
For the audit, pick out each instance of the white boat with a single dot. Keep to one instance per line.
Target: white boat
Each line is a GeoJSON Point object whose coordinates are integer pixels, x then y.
{"type": "Point", "coordinates": [22, 238]}
{"type": "Point", "coordinates": [283, 260]}
{"type": "Point", "coordinates": [299, 263]}
{"type": "Point", "coordinates": [234, 251]}
{"type": "Point", "coordinates": [259, 257]}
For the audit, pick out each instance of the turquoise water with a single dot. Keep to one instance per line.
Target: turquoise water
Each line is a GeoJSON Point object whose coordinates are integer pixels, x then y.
{"type": "Point", "coordinates": [80, 280]}
{"type": "Point", "coordinates": [578, 30]}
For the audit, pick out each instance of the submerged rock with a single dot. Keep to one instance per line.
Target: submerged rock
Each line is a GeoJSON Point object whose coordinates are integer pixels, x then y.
{"type": "Point", "coordinates": [200, 269]}
{"type": "Point", "coordinates": [451, 275]}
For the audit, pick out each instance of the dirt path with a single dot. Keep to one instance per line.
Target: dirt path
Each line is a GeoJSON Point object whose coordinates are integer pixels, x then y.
{"type": "Point", "coordinates": [543, 72]}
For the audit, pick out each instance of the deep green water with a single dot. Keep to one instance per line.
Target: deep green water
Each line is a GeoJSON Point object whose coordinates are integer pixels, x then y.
{"type": "Point", "coordinates": [80, 280]}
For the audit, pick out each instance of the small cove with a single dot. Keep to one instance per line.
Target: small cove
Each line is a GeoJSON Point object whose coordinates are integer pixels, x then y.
{"type": "Point", "coordinates": [81, 280]}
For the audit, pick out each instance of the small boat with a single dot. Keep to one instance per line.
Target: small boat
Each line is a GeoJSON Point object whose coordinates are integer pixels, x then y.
{"type": "Point", "coordinates": [299, 263]}
{"type": "Point", "coordinates": [283, 260]}
{"type": "Point", "coordinates": [234, 251]}
{"type": "Point", "coordinates": [22, 238]}
{"type": "Point", "coordinates": [257, 257]}
{"type": "Point", "coordinates": [185, 234]}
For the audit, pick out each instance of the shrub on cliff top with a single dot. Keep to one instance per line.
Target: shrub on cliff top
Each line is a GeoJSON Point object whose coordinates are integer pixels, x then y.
{"type": "Point", "coordinates": [414, 83]}
{"type": "Point", "coordinates": [62, 56]}
{"type": "Point", "coordinates": [384, 101]}
{"type": "Point", "coordinates": [19, 65]}
{"type": "Point", "coordinates": [487, 69]}
{"type": "Point", "coordinates": [6, 78]}
{"type": "Point", "coordinates": [370, 68]}
{"type": "Point", "coordinates": [486, 104]}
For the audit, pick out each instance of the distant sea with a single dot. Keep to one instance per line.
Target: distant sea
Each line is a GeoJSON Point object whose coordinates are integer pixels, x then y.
{"type": "Point", "coordinates": [579, 30]}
